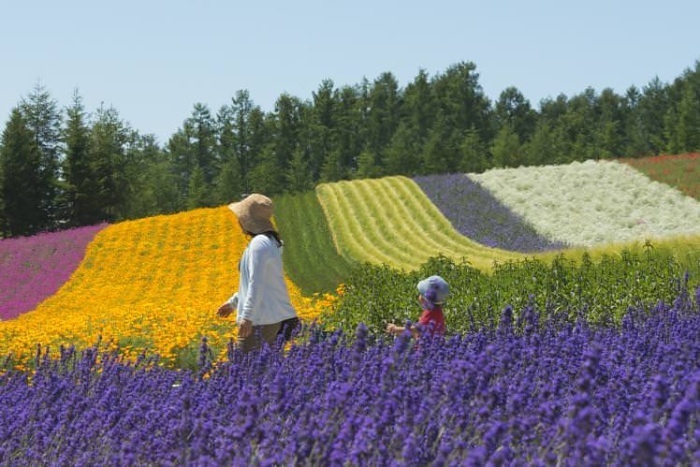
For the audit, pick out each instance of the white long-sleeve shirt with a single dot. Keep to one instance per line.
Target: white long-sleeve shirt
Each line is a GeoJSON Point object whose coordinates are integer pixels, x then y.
{"type": "Point", "coordinates": [262, 294]}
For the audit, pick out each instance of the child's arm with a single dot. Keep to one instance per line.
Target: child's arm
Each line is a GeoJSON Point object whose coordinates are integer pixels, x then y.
{"type": "Point", "coordinates": [395, 330]}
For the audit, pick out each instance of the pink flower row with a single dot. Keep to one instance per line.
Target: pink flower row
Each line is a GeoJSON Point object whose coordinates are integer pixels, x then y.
{"type": "Point", "coordinates": [34, 268]}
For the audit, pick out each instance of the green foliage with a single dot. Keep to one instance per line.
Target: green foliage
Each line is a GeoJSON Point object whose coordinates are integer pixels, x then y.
{"type": "Point", "coordinates": [437, 124]}
{"type": "Point", "coordinates": [22, 195]}
{"type": "Point", "coordinates": [198, 193]}
{"type": "Point", "coordinates": [506, 148]}
{"type": "Point", "coordinates": [375, 295]}
{"type": "Point", "coordinates": [310, 257]}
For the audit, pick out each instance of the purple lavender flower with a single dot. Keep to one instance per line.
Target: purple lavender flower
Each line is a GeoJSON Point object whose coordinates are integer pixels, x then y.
{"type": "Point", "coordinates": [559, 393]}
{"type": "Point", "coordinates": [476, 213]}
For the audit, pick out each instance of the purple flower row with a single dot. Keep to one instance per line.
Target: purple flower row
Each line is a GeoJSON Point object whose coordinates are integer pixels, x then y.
{"type": "Point", "coordinates": [524, 393]}
{"type": "Point", "coordinates": [476, 213]}
{"type": "Point", "coordinates": [34, 268]}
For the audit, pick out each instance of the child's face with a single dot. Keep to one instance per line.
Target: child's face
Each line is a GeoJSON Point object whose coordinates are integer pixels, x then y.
{"type": "Point", "coordinates": [423, 302]}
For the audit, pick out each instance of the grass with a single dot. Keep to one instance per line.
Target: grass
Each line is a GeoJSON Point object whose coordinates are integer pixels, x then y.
{"type": "Point", "coordinates": [310, 258]}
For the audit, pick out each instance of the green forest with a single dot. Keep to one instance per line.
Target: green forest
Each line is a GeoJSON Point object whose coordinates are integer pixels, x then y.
{"type": "Point", "coordinates": [65, 167]}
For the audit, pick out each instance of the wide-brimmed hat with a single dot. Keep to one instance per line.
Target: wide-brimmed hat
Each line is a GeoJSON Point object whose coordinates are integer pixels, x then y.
{"type": "Point", "coordinates": [254, 213]}
{"type": "Point", "coordinates": [434, 289]}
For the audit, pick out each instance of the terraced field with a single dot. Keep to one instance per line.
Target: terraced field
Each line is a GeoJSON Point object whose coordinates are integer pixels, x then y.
{"type": "Point", "coordinates": [391, 221]}
{"type": "Point", "coordinates": [310, 257]}
{"type": "Point", "coordinates": [594, 202]}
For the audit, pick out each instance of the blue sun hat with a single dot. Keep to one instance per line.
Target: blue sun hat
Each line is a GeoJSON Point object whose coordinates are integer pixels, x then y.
{"type": "Point", "coordinates": [434, 290]}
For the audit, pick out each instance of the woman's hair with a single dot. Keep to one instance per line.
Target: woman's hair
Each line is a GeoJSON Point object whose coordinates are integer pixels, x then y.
{"type": "Point", "coordinates": [274, 234]}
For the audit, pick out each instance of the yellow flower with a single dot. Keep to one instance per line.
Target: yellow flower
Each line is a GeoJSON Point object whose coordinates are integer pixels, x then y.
{"type": "Point", "coordinates": [150, 285]}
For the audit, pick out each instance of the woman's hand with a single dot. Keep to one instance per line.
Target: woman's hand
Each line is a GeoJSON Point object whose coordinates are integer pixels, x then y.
{"type": "Point", "coordinates": [245, 329]}
{"type": "Point", "coordinates": [224, 310]}
{"type": "Point", "coordinates": [391, 328]}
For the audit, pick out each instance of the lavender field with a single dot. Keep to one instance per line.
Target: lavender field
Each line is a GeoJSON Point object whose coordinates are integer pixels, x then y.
{"type": "Point", "coordinates": [529, 392]}
{"type": "Point", "coordinates": [476, 213]}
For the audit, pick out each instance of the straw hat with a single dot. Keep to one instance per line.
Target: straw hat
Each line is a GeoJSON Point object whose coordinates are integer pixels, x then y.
{"type": "Point", "coordinates": [254, 213]}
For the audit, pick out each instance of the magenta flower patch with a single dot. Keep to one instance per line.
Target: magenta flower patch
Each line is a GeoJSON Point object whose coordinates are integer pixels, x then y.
{"type": "Point", "coordinates": [34, 268]}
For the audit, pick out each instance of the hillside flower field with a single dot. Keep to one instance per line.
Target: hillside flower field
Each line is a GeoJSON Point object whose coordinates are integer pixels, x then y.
{"type": "Point", "coordinates": [476, 213]}
{"type": "Point", "coordinates": [680, 171]}
{"type": "Point", "coordinates": [593, 202]}
{"type": "Point", "coordinates": [573, 329]}
{"type": "Point", "coordinates": [151, 285]}
{"type": "Point", "coordinates": [33, 268]}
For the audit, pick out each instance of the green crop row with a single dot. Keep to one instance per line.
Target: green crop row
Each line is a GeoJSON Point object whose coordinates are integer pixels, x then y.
{"type": "Point", "coordinates": [310, 258]}
{"type": "Point", "coordinates": [391, 221]}
{"type": "Point", "coordinates": [377, 294]}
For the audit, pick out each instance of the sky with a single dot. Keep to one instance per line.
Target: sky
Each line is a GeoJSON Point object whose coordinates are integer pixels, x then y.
{"type": "Point", "coordinates": [153, 60]}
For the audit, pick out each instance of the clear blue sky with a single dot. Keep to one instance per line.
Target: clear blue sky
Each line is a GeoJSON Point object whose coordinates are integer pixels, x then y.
{"type": "Point", "coordinates": [152, 60]}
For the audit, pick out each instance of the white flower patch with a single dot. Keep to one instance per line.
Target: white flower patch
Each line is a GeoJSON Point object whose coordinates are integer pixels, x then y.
{"type": "Point", "coordinates": [593, 202]}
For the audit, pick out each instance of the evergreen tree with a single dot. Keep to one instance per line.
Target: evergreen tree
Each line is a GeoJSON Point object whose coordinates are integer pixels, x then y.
{"type": "Point", "coordinates": [442, 150]}
{"type": "Point", "coordinates": [151, 188]}
{"type": "Point", "coordinates": [267, 176]}
{"type": "Point", "coordinates": [512, 109]}
{"type": "Point", "coordinates": [419, 108]}
{"type": "Point", "coordinates": [383, 115]}
{"type": "Point", "coordinates": [202, 132]}
{"type": "Point", "coordinates": [81, 193]}
{"type": "Point", "coordinates": [299, 177]}
{"type": "Point", "coordinates": [636, 134]}
{"type": "Point", "coordinates": [367, 166]}
{"type": "Point", "coordinates": [460, 101]}
{"type": "Point", "coordinates": [653, 107]}
{"type": "Point", "coordinates": [260, 140]}
{"type": "Point", "coordinates": [182, 158]}
{"type": "Point", "coordinates": [403, 153]}
{"type": "Point", "coordinates": [333, 169]}
{"type": "Point", "coordinates": [198, 192]}
{"type": "Point", "coordinates": [44, 121]}
{"type": "Point", "coordinates": [322, 128]}
{"type": "Point", "coordinates": [611, 119]}
{"type": "Point", "coordinates": [286, 127]}
{"type": "Point", "coordinates": [162, 183]}
{"type": "Point", "coordinates": [505, 148]}
{"type": "Point", "coordinates": [109, 141]}
{"type": "Point", "coordinates": [349, 123]}
{"type": "Point", "coordinates": [546, 146]}
{"type": "Point", "coordinates": [228, 186]}
{"type": "Point", "coordinates": [683, 117]}
{"type": "Point", "coordinates": [475, 155]}
{"type": "Point", "coordinates": [245, 119]}
{"type": "Point", "coordinates": [23, 193]}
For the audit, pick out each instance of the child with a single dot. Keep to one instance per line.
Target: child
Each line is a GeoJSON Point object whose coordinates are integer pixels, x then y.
{"type": "Point", "coordinates": [433, 292]}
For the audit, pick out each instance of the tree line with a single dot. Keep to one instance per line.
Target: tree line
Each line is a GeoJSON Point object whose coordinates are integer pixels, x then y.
{"type": "Point", "coordinates": [64, 167]}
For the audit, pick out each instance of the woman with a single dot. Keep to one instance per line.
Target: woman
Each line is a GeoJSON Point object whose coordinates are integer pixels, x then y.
{"type": "Point", "coordinates": [264, 309]}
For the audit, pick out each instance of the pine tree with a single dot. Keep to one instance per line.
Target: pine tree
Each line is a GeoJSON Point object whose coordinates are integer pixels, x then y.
{"type": "Point", "coordinates": [109, 140]}
{"type": "Point", "coordinates": [299, 177]}
{"type": "Point", "coordinates": [44, 121]}
{"type": "Point", "coordinates": [198, 193]}
{"type": "Point", "coordinates": [23, 192]}
{"type": "Point", "coordinates": [332, 170]}
{"type": "Point", "coordinates": [81, 195]}
{"type": "Point", "coordinates": [475, 155]}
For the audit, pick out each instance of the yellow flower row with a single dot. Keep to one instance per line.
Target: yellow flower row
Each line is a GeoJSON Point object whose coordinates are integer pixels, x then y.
{"type": "Point", "coordinates": [151, 285]}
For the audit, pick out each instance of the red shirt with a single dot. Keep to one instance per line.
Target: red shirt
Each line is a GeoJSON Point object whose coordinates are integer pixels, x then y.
{"type": "Point", "coordinates": [433, 320]}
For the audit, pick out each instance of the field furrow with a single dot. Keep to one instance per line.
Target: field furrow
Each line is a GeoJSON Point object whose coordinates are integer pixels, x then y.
{"type": "Point", "coordinates": [391, 221]}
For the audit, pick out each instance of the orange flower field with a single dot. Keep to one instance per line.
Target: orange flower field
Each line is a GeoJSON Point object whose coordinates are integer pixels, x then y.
{"type": "Point", "coordinates": [147, 286]}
